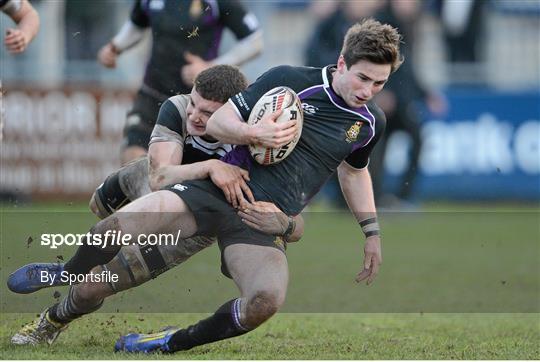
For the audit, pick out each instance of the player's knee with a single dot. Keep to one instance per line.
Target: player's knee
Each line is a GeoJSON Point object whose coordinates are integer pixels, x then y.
{"type": "Point", "coordinates": [262, 306]}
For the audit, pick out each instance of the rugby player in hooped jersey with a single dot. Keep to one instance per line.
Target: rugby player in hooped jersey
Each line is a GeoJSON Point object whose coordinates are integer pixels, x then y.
{"type": "Point", "coordinates": [179, 150]}
{"type": "Point", "coordinates": [338, 134]}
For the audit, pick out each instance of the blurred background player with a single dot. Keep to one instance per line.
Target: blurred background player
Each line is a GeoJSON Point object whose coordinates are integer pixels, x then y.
{"type": "Point", "coordinates": [27, 19]}
{"type": "Point", "coordinates": [185, 40]}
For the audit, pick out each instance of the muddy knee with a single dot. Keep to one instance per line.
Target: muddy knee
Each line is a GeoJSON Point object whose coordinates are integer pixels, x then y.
{"type": "Point", "coordinates": [262, 306]}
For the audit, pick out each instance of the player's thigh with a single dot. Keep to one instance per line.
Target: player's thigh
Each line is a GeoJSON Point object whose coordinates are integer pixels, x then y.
{"type": "Point", "coordinates": [162, 211]}
{"type": "Point", "coordinates": [257, 269]}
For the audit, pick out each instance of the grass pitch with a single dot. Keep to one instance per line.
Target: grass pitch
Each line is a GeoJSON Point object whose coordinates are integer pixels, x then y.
{"type": "Point", "coordinates": [456, 283]}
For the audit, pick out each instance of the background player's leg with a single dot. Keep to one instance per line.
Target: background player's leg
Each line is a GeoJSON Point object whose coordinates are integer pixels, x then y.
{"type": "Point", "coordinates": [261, 274]}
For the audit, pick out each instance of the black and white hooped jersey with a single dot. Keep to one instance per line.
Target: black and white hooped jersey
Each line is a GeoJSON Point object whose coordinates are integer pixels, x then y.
{"type": "Point", "coordinates": [180, 26]}
{"type": "Point", "coordinates": [171, 127]}
{"type": "Point", "coordinates": [332, 132]}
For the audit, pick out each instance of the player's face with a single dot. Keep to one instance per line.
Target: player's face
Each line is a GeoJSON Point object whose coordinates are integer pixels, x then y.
{"type": "Point", "coordinates": [361, 82]}
{"type": "Point", "coordinates": [198, 112]}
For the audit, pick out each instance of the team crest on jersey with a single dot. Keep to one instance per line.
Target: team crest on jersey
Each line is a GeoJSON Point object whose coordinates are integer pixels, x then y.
{"type": "Point", "coordinates": [353, 132]}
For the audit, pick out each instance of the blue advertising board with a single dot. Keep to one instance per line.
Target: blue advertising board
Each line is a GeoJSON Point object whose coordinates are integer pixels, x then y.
{"type": "Point", "coordinates": [486, 147]}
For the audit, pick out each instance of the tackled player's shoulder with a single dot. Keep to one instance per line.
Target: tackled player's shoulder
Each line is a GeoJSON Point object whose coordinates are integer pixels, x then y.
{"type": "Point", "coordinates": [292, 76]}
{"type": "Point", "coordinates": [377, 112]}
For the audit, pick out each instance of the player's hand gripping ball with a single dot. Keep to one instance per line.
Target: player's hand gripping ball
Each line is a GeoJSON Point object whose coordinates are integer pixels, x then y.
{"type": "Point", "coordinates": [275, 99]}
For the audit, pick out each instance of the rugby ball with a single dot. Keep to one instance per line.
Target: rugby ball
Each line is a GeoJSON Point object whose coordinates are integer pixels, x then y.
{"type": "Point", "coordinates": [275, 99]}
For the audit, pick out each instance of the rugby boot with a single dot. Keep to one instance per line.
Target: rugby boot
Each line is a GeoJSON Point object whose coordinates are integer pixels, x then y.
{"type": "Point", "coordinates": [41, 330]}
{"type": "Point", "coordinates": [33, 277]}
{"type": "Point", "coordinates": [145, 343]}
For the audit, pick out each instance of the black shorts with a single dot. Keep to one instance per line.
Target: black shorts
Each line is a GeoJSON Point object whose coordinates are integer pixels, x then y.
{"type": "Point", "coordinates": [140, 120]}
{"type": "Point", "coordinates": [216, 217]}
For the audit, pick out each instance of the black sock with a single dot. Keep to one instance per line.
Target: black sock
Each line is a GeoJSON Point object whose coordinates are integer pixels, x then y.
{"type": "Point", "coordinates": [225, 323]}
{"type": "Point", "coordinates": [87, 257]}
{"type": "Point", "coordinates": [70, 308]}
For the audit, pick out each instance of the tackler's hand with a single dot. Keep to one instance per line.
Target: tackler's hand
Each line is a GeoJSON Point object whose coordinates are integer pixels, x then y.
{"type": "Point", "coordinates": [265, 217]}
{"type": "Point", "coordinates": [232, 181]}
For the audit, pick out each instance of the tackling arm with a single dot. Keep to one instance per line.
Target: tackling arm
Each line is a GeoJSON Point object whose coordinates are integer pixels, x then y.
{"type": "Point", "coordinates": [165, 166]}
{"type": "Point", "coordinates": [358, 192]}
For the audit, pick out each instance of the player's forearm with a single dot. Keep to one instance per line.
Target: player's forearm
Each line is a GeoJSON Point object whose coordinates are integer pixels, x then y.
{"type": "Point", "coordinates": [226, 126]}
{"type": "Point", "coordinates": [171, 174]}
{"type": "Point", "coordinates": [244, 50]}
{"type": "Point", "coordinates": [358, 191]}
{"type": "Point", "coordinates": [128, 36]}
{"type": "Point", "coordinates": [27, 20]}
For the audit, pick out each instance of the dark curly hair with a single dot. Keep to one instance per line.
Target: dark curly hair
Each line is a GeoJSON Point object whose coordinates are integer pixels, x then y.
{"type": "Point", "coordinates": [220, 82]}
{"type": "Point", "coordinates": [372, 41]}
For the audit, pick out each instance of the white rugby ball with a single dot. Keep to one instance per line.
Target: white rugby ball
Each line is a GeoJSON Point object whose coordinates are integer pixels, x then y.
{"type": "Point", "coordinates": [275, 99]}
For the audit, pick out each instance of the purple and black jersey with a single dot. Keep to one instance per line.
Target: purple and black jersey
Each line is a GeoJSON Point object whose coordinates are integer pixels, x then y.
{"type": "Point", "coordinates": [180, 26]}
{"type": "Point", "coordinates": [332, 132]}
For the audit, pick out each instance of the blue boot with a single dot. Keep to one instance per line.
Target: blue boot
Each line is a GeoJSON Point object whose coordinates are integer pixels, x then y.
{"type": "Point", "coordinates": [33, 277]}
{"type": "Point", "coordinates": [145, 343]}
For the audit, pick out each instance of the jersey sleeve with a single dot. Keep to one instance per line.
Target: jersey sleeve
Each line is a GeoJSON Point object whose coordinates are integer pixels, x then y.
{"type": "Point", "coordinates": [139, 15]}
{"type": "Point", "coordinates": [245, 100]}
{"type": "Point", "coordinates": [235, 17]}
{"type": "Point", "coordinates": [359, 158]}
{"type": "Point", "coordinates": [169, 125]}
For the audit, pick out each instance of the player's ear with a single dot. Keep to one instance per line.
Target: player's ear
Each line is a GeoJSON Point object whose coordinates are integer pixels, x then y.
{"type": "Point", "coordinates": [341, 65]}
